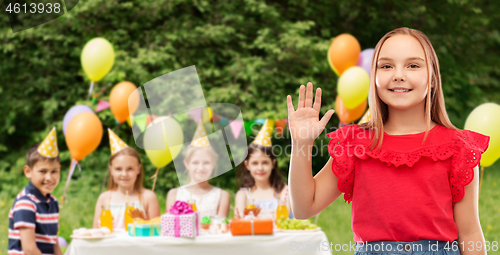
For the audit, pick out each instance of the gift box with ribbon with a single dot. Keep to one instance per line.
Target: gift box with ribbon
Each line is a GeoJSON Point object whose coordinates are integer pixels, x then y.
{"type": "Point", "coordinates": [153, 229]}
{"type": "Point", "coordinates": [251, 226]}
{"type": "Point", "coordinates": [180, 220]}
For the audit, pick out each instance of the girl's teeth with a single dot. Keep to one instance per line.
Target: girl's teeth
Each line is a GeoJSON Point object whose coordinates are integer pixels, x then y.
{"type": "Point", "coordinates": [401, 90]}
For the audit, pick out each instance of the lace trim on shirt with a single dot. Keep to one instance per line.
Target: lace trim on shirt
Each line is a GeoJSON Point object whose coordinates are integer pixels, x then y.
{"type": "Point", "coordinates": [465, 149]}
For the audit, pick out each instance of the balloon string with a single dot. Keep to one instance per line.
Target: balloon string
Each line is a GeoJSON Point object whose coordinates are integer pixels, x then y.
{"type": "Point", "coordinates": [90, 89]}
{"type": "Point", "coordinates": [480, 181]}
{"type": "Point", "coordinates": [156, 174]}
{"type": "Point", "coordinates": [71, 169]}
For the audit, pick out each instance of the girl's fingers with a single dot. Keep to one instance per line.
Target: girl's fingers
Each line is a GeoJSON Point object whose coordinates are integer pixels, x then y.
{"type": "Point", "coordinates": [317, 100]}
{"type": "Point", "coordinates": [326, 118]}
{"type": "Point", "coordinates": [309, 95]}
{"type": "Point", "coordinates": [301, 97]}
{"type": "Point", "coordinates": [289, 104]}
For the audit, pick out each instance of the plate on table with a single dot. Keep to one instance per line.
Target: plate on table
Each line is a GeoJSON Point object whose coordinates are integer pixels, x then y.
{"type": "Point", "coordinates": [298, 230]}
{"type": "Point", "coordinates": [91, 237]}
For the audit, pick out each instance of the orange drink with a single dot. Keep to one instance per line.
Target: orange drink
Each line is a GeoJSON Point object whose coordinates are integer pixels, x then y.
{"type": "Point", "coordinates": [128, 216]}
{"type": "Point", "coordinates": [107, 219]}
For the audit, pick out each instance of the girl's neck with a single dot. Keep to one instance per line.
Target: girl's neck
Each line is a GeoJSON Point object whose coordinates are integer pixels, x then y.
{"type": "Point", "coordinates": [262, 185]}
{"type": "Point", "coordinates": [200, 185]}
{"type": "Point", "coordinates": [406, 121]}
{"type": "Point", "coordinates": [123, 190]}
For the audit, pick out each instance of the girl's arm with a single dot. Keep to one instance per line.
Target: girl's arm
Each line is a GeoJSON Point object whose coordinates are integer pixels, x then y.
{"type": "Point", "coordinates": [308, 195]}
{"type": "Point", "coordinates": [240, 201]}
{"type": "Point", "coordinates": [312, 194]}
{"type": "Point", "coordinates": [151, 204]}
{"type": "Point", "coordinates": [224, 203]}
{"type": "Point", "coordinates": [98, 209]}
{"type": "Point", "coordinates": [171, 197]}
{"type": "Point", "coordinates": [467, 219]}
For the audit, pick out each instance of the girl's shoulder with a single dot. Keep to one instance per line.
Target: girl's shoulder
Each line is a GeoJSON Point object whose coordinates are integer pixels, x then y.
{"type": "Point", "coordinates": [148, 194]}
{"type": "Point", "coordinates": [241, 193]}
{"type": "Point", "coordinates": [105, 194]}
{"type": "Point", "coordinates": [172, 192]}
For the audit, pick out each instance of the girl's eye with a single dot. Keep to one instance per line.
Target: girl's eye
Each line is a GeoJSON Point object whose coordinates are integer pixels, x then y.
{"type": "Point", "coordinates": [385, 66]}
{"type": "Point", "coordinates": [414, 66]}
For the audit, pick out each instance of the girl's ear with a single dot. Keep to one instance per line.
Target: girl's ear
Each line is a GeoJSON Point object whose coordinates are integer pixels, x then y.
{"type": "Point", "coordinates": [274, 162]}
{"type": "Point", "coordinates": [246, 164]}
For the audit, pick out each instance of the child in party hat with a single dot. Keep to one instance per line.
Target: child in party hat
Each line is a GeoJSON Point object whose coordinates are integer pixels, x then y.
{"type": "Point", "coordinates": [125, 186]}
{"type": "Point", "coordinates": [34, 216]}
{"type": "Point", "coordinates": [200, 160]}
{"type": "Point", "coordinates": [261, 183]}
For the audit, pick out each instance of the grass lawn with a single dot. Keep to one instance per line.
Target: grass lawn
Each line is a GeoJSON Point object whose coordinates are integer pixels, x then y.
{"type": "Point", "coordinates": [335, 220]}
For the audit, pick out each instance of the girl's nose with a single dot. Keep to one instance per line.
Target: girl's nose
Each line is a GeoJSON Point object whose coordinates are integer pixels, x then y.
{"type": "Point", "coordinates": [399, 78]}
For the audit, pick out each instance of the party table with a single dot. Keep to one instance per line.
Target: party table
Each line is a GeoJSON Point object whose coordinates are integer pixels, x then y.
{"type": "Point", "coordinates": [278, 243]}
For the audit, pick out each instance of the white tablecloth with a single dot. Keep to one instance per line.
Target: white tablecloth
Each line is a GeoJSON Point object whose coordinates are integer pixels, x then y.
{"type": "Point", "coordinates": [278, 243]}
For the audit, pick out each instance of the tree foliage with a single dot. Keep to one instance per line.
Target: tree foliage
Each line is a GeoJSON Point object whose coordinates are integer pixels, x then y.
{"type": "Point", "coordinates": [251, 53]}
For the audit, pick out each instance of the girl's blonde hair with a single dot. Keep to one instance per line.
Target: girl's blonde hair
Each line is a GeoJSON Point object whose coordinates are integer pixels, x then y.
{"type": "Point", "coordinates": [190, 150]}
{"type": "Point", "coordinates": [435, 109]}
{"type": "Point", "coordinates": [112, 185]}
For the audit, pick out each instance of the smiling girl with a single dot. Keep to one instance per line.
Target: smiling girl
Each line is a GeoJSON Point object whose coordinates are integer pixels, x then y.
{"type": "Point", "coordinates": [412, 177]}
{"type": "Point", "coordinates": [200, 160]}
{"type": "Point", "coordinates": [125, 186]}
{"type": "Point", "coordinates": [259, 177]}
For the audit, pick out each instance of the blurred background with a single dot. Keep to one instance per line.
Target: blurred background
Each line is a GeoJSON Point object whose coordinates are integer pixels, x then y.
{"type": "Point", "coordinates": [249, 53]}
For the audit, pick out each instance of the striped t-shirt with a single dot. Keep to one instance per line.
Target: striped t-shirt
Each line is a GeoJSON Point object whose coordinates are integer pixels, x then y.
{"type": "Point", "coordinates": [33, 210]}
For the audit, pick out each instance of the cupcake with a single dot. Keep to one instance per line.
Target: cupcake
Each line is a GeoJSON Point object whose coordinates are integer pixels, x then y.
{"type": "Point", "coordinates": [205, 222]}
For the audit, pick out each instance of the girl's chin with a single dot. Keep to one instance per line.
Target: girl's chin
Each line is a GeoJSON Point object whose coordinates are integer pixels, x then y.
{"type": "Point", "coordinates": [261, 178]}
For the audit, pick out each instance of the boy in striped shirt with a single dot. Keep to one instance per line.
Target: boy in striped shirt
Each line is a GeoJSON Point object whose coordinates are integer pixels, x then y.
{"type": "Point", "coordinates": [34, 217]}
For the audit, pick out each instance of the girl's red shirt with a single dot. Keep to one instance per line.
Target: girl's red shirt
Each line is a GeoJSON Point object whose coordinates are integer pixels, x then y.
{"type": "Point", "coordinates": [406, 190]}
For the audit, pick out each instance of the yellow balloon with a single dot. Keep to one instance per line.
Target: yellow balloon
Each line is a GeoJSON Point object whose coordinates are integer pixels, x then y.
{"type": "Point", "coordinates": [353, 86]}
{"type": "Point", "coordinates": [97, 58]}
{"type": "Point", "coordinates": [206, 114]}
{"type": "Point", "coordinates": [485, 119]}
{"type": "Point", "coordinates": [160, 151]}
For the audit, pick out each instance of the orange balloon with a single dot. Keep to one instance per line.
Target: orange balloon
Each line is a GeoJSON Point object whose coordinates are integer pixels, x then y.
{"type": "Point", "coordinates": [346, 115]}
{"type": "Point", "coordinates": [344, 52]}
{"type": "Point", "coordinates": [83, 135]}
{"type": "Point", "coordinates": [123, 100]}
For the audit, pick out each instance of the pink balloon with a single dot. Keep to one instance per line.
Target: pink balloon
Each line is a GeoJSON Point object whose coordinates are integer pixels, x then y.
{"type": "Point", "coordinates": [365, 60]}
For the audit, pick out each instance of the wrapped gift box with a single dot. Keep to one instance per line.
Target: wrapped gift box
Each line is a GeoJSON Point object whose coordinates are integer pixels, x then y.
{"type": "Point", "coordinates": [153, 229]}
{"type": "Point", "coordinates": [180, 221]}
{"type": "Point", "coordinates": [253, 226]}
